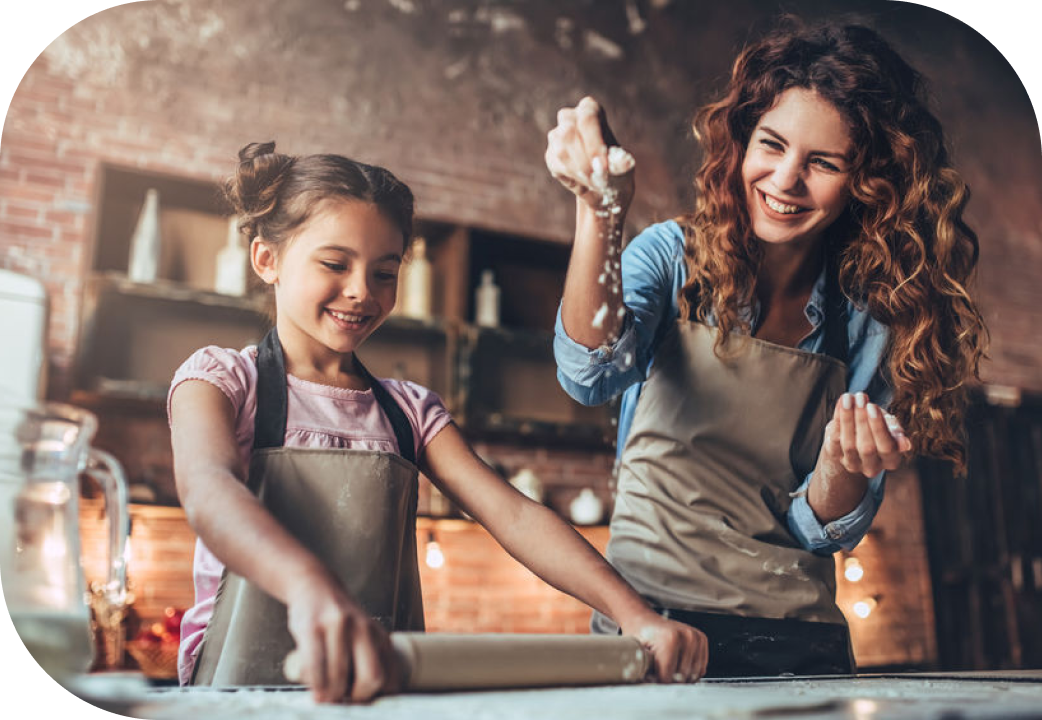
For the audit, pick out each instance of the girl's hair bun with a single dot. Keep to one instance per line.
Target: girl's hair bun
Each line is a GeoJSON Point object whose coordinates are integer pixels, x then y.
{"type": "Point", "coordinates": [253, 190]}
{"type": "Point", "coordinates": [275, 194]}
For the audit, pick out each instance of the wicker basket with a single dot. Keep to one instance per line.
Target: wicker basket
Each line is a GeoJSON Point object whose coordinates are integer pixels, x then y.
{"type": "Point", "coordinates": [157, 659]}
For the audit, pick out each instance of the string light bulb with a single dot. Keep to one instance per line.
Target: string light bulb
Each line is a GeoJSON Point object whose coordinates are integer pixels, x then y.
{"type": "Point", "coordinates": [853, 570]}
{"type": "Point", "coordinates": [863, 608]}
{"type": "Point", "coordinates": [434, 557]}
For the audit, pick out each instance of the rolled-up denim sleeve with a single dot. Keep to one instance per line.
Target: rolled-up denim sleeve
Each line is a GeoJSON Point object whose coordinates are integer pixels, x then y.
{"type": "Point", "coordinates": [841, 534]}
{"type": "Point", "coordinates": [593, 377]}
{"type": "Point", "coordinates": [649, 283]}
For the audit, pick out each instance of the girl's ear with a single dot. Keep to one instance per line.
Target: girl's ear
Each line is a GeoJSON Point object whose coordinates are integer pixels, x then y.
{"type": "Point", "coordinates": [262, 257]}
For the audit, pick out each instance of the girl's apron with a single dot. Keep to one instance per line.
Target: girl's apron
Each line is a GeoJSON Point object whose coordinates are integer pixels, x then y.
{"type": "Point", "coordinates": [699, 526]}
{"type": "Point", "coordinates": [354, 509]}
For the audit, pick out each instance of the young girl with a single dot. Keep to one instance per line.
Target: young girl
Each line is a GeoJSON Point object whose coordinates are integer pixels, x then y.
{"type": "Point", "coordinates": [820, 279]}
{"type": "Point", "coordinates": [298, 469]}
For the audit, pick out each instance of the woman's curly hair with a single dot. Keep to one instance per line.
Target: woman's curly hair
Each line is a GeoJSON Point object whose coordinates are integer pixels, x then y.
{"type": "Point", "coordinates": [902, 247]}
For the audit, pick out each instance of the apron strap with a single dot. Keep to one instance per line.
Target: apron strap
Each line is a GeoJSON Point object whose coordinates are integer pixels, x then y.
{"type": "Point", "coordinates": [393, 411]}
{"type": "Point", "coordinates": [269, 424]}
{"type": "Point", "coordinates": [269, 427]}
{"type": "Point", "coordinates": [836, 341]}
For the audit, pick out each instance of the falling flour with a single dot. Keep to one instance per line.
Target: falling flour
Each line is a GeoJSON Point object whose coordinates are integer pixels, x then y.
{"type": "Point", "coordinates": [620, 162]}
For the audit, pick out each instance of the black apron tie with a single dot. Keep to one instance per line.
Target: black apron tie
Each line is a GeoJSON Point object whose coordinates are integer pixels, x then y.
{"type": "Point", "coordinates": [836, 341]}
{"type": "Point", "coordinates": [269, 428]}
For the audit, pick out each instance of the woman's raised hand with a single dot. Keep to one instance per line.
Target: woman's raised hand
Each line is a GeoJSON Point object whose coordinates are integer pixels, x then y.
{"type": "Point", "coordinates": [863, 438]}
{"type": "Point", "coordinates": [577, 156]}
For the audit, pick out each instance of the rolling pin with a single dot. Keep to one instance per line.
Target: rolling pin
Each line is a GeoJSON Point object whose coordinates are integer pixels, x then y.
{"type": "Point", "coordinates": [455, 661]}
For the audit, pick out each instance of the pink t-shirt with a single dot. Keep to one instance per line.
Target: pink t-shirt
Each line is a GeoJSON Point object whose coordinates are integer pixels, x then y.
{"type": "Point", "coordinates": [318, 416]}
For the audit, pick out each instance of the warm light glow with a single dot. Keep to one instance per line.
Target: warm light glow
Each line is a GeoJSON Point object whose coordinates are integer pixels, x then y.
{"type": "Point", "coordinates": [435, 557]}
{"type": "Point", "coordinates": [864, 709]}
{"type": "Point", "coordinates": [864, 608]}
{"type": "Point", "coordinates": [853, 570]}
{"type": "Point", "coordinates": [54, 547]}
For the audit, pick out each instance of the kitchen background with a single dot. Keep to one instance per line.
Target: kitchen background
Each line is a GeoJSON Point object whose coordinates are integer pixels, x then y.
{"type": "Point", "coordinates": [456, 98]}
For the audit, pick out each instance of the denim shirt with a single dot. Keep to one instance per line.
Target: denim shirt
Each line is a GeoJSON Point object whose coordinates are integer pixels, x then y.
{"type": "Point", "coordinates": [653, 272]}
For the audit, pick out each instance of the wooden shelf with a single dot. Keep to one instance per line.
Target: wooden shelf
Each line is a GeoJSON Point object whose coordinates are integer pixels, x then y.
{"type": "Point", "coordinates": [499, 383]}
{"type": "Point", "coordinates": [176, 292]}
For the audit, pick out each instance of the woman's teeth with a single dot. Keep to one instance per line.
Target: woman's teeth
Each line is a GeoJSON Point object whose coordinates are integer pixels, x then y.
{"type": "Point", "coordinates": [780, 207]}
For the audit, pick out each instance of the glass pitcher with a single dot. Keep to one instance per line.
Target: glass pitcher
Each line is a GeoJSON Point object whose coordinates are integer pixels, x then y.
{"type": "Point", "coordinates": [43, 451]}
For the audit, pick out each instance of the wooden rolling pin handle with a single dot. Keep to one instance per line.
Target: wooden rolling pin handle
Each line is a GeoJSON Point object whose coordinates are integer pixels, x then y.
{"type": "Point", "coordinates": [291, 666]}
{"type": "Point", "coordinates": [446, 661]}
{"type": "Point", "coordinates": [292, 671]}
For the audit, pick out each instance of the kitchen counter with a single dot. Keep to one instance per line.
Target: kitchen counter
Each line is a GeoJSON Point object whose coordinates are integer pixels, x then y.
{"type": "Point", "coordinates": [867, 697]}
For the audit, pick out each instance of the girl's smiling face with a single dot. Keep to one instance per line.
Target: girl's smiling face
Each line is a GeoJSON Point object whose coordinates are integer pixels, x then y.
{"type": "Point", "coordinates": [336, 279]}
{"type": "Point", "coordinates": [796, 168]}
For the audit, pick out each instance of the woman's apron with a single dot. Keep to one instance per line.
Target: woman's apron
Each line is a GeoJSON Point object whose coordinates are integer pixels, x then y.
{"type": "Point", "coordinates": [354, 509]}
{"type": "Point", "coordinates": [699, 526]}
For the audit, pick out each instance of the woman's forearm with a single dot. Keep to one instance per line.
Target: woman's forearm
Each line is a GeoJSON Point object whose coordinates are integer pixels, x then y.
{"type": "Point", "coordinates": [833, 491]}
{"type": "Point", "coordinates": [593, 287]}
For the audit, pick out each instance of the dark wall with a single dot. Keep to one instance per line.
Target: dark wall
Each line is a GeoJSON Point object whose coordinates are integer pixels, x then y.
{"type": "Point", "coordinates": [456, 97]}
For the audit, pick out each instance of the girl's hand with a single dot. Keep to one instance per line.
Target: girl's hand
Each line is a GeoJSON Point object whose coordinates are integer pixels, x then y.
{"type": "Point", "coordinates": [342, 653]}
{"type": "Point", "coordinates": [863, 438]}
{"type": "Point", "coordinates": [577, 155]}
{"type": "Point", "coordinates": [679, 652]}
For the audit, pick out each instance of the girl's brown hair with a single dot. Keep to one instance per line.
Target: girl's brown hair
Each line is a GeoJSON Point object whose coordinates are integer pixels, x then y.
{"type": "Point", "coordinates": [274, 194]}
{"type": "Point", "coordinates": [903, 249]}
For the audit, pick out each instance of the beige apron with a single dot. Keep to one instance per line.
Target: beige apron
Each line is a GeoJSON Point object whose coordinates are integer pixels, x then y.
{"type": "Point", "coordinates": [354, 509]}
{"type": "Point", "coordinates": [714, 450]}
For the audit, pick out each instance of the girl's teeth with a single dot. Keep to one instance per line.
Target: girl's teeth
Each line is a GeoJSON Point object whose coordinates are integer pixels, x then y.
{"type": "Point", "coordinates": [346, 318]}
{"type": "Point", "coordinates": [780, 207]}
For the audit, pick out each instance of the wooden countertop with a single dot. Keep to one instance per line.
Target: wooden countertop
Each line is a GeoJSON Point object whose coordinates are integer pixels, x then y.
{"type": "Point", "coordinates": [964, 695]}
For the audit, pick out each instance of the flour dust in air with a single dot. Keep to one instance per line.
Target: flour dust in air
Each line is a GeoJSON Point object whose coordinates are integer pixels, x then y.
{"type": "Point", "coordinates": [620, 162]}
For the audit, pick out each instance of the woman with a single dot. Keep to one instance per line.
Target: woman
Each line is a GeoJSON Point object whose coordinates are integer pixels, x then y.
{"type": "Point", "coordinates": [781, 347]}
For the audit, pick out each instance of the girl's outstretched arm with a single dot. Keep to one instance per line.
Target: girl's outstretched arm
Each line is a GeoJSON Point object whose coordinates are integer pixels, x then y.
{"type": "Point", "coordinates": [343, 653]}
{"type": "Point", "coordinates": [551, 548]}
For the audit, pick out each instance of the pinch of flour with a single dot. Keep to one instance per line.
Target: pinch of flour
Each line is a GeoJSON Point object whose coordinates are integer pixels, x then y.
{"type": "Point", "coordinates": [619, 161]}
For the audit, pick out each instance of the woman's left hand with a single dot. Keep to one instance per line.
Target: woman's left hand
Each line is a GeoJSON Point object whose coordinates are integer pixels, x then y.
{"type": "Point", "coordinates": [679, 652]}
{"type": "Point", "coordinates": [863, 438]}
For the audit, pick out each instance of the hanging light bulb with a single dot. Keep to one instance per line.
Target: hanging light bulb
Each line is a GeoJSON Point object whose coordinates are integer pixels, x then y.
{"type": "Point", "coordinates": [435, 558]}
{"type": "Point", "coordinates": [863, 608]}
{"type": "Point", "coordinates": [853, 570]}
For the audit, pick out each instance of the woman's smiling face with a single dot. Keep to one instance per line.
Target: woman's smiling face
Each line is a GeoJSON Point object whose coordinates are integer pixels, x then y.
{"type": "Point", "coordinates": [796, 168]}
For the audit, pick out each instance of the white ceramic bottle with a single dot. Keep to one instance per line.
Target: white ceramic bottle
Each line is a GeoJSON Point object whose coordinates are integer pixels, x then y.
{"type": "Point", "coordinates": [486, 301]}
{"type": "Point", "coordinates": [144, 244]}
{"type": "Point", "coordinates": [586, 508]}
{"type": "Point", "coordinates": [528, 484]}
{"type": "Point", "coordinates": [418, 285]}
{"type": "Point", "coordinates": [231, 263]}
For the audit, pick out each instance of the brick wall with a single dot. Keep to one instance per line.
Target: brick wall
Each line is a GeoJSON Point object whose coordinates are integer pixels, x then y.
{"type": "Point", "coordinates": [459, 109]}
{"type": "Point", "coordinates": [480, 588]}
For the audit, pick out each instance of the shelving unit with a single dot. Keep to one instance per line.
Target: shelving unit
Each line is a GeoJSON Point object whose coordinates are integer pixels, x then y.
{"type": "Point", "coordinates": [498, 383]}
